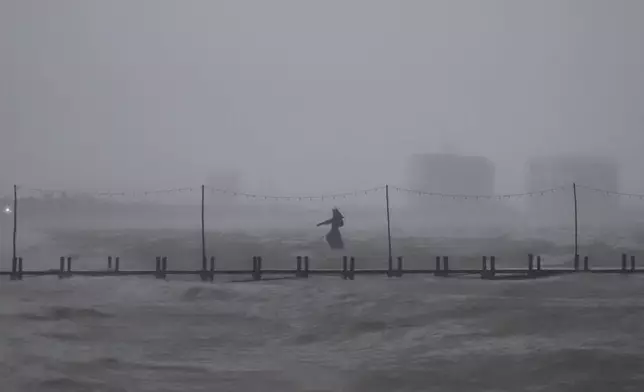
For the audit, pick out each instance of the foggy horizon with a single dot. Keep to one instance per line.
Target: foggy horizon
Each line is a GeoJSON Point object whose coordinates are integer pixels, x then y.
{"type": "Point", "coordinates": [313, 97]}
{"type": "Point", "coordinates": [504, 255]}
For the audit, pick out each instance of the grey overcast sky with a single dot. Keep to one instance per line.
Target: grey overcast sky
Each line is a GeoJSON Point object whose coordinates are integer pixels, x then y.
{"type": "Point", "coordinates": [312, 95]}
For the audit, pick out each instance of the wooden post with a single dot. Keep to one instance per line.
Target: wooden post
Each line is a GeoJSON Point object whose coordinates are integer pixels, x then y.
{"type": "Point", "coordinates": [344, 267]}
{"type": "Point", "coordinates": [530, 262]}
{"type": "Point", "coordinates": [493, 265]}
{"type": "Point", "coordinates": [19, 268]}
{"type": "Point", "coordinates": [624, 257]}
{"type": "Point", "coordinates": [117, 264]}
{"type": "Point", "coordinates": [399, 273]}
{"type": "Point", "coordinates": [109, 262]}
{"type": "Point", "coordinates": [352, 268]}
{"type": "Point", "coordinates": [157, 267]}
{"type": "Point", "coordinates": [164, 266]}
{"type": "Point", "coordinates": [259, 266]}
{"type": "Point", "coordinates": [306, 266]}
{"type": "Point", "coordinates": [212, 268]}
{"type": "Point", "coordinates": [446, 265]}
{"type": "Point", "coordinates": [298, 267]}
{"type": "Point", "coordinates": [390, 268]}
{"type": "Point", "coordinates": [69, 265]}
{"type": "Point", "coordinates": [14, 268]}
{"type": "Point", "coordinates": [204, 259]}
{"type": "Point", "coordinates": [437, 268]}
{"type": "Point", "coordinates": [15, 222]}
{"type": "Point", "coordinates": [576, 262]}
{"type": "Point", "coordinates": [539, 263]}
{"type": "Point", "coordinates": [632, 263]}
{"type": "Point", "coordinates": [484, 271]}
{"type": "Point", "coordinates": [388, 225]}
{"type": "Point", "coordinates": [574, 192]}
{"type": "Point", "coordinates": [586, 264]}
{"type": "Point", "coordinates": [61, 268]}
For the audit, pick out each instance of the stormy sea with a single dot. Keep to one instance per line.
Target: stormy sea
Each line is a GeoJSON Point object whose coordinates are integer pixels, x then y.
{"type": "Point", "coordinates": [580, 332]}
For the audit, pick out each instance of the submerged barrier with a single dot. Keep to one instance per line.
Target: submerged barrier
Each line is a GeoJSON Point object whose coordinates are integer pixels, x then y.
{"type": "Point", "coordinates": [348, 270]}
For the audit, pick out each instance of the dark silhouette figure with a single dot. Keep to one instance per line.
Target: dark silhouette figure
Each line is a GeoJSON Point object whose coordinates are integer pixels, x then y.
{"type": "Point", "coordinates": [333, 237]}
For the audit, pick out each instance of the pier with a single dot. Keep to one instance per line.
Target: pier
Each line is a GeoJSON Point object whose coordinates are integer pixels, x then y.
{"type": "Point", "coordinates": [348, 269]}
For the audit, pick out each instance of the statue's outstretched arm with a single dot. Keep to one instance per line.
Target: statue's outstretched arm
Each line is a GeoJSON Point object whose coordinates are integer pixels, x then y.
{"type": "Point", "coordinates": [326, 222]}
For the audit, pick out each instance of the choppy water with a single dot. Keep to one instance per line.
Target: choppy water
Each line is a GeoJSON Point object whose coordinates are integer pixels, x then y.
{"type": "Point", "coordinates": [573, 333]}
{"type": "Point", "coordinates": [578, 333]}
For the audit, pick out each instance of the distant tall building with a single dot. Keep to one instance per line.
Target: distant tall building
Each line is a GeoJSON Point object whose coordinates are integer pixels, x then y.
{"type": "Point", "coordinates": [449, 174]}
{"type": "Point", "coordinates": [226, 183]}
{"type": "Point", "coordinates": [564, 170]}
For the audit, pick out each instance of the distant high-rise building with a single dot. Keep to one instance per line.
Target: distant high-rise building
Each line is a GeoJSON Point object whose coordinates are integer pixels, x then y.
{"type": "Point", "coordinates": [449, 174]}
{"type": "Point", "coordinates": [224, 185]}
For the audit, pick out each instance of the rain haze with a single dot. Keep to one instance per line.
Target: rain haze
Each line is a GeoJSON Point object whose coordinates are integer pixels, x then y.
{"type": "Point", "coordinates": [311, 96]}
{"type": "Point", "coordinates": [439, 128]}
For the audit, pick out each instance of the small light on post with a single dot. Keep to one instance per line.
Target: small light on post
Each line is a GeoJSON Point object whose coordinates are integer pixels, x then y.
{"type": "Point", "coordinates": [7, 210]}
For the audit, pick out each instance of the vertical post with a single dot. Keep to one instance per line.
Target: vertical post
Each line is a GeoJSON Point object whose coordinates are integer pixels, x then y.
{"type": "Point", "coordinates": [14, 269]}
{"type": "Point", "coordinates": [212, 268]}
{"type": "Point", "coordinates": [19, 268]}
{"type": "Point", "coordinates": [259, 267]}
{"type": "Point", "coordinates": [61, 268]}
{"type": "Point", "coordinates": [446, 264]}
{"type": "Point", "coordinates": [344, 267]}
{"type": "Point", "coordinates": [539, 263]}
{"type": "Point", "coordinates": [484, 271]}
{"type": "Point", "coordinates": [117, 265]}
{"type": "Point", "coordinates": [493, 265]}
{"type": "Point", "coordinates": [352, 268]}
{"type": "Point", "coordinates": [574, 192]}
{"type": "Point", "coordinates": [164, 266]}
{"type": "Point", "coordinates": [388, 226]}
{"type": "Point", "coordinates": [15, 221]}
{"type": "Point", "coordinates": [109, 262]}
{"type": "Point", "coordinates": [437, 268]}
{"type": "Point", "coordinates": [576, 262]}
{"type": "Point", "coordinates": [399, 273]}
{"type": "Point", "coordinates": [530, 262]}
{"type": "Point", "coordinates": [254, 274]}
{"type": "Point", "coordinates": [69, 265]}
{"type": "Point", "coordinates": [298, 266]}
{"type": "Point", "coordinates": [306, 266]}
{"type": "Point", "coordinates": [624, 258]}
{"type": "Point", "coordinates": [586, 264]}
{"type": "Point", "coordinates": [204, 258]}
{"type": "Point", "coordinates": [632, 263]}
{"type": "Point", "coordinates": [158, 267]}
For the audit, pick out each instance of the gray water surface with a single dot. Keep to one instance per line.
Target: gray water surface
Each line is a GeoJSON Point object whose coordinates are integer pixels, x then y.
{"type": "Point", "coordinates": [575, 333]}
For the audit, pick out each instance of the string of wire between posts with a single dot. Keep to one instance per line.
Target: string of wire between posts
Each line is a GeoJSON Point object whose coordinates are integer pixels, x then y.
{"type": "Point", "coordinates": [330, 196]}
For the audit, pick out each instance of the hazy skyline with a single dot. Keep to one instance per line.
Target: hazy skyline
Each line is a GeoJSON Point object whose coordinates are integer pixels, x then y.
{"type": "Point", "coordinates": [312, 96]}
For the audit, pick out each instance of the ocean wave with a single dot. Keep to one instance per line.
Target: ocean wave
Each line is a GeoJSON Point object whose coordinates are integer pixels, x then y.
{"type": "Point", "coordinates": [57, 313]}
{"type": "Point", "coordinates": [75, 384]}
{"type": "Point", "coordinates": [201, 293]}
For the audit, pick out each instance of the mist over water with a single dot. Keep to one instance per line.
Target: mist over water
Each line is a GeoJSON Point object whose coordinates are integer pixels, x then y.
{"type": "Point", "coordinates": [497, 128]}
